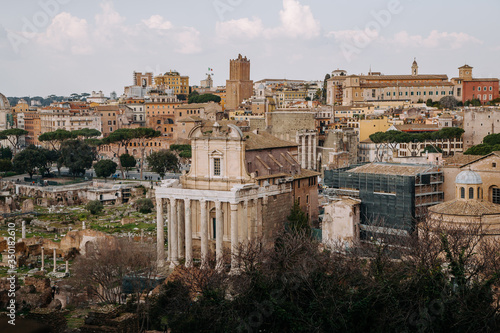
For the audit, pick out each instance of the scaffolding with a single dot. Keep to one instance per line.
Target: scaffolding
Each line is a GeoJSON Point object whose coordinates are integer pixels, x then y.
{"type": "Point", "coordinates": [388, 200]}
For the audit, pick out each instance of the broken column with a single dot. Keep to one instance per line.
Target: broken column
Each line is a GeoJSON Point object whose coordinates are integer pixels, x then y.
{"type": "Point", "coordinates": [83, 225]}
{"type": "Point", "coordinates": [55, 264]}
{"type": "Point", "coordinates": [67, 267]}
{"type": "Point", "coordinates": [43, 260]}
{"type": "Point", "coordinates": [23, 230]}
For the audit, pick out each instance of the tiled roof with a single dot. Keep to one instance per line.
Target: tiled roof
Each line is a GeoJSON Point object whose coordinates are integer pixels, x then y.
{"type": "Point", "coordinates": [265, 140]}
{"type": "Point", "coordinates": [406, 84]}
{"type": "Point", "coordinates": [393, 169]}
{"type": "Point", "coordinates": [466, 208]}
{"type": "Point", "coordinates": [306, 173]}
{"type": "Point", "coordinates": [460, 159]}
{"type": "Point", "coordinates": [406, 77]}
{"type": "Point", "coordinates": [417, 127]}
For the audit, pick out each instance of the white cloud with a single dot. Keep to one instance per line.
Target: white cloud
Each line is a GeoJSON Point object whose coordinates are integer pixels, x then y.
{"type": "Point", "coordinates": [67, 32]}
{"type": "Point", "coordinates": [245, 27]}
{"type": "Point", "coordinates": [188, 41]}
{"type": "Point", "coordinates": [157, 22]}
{"type": "Point", "coordinates": [436, 39]}
{"type": "Point", "coordinates": [297, 21]}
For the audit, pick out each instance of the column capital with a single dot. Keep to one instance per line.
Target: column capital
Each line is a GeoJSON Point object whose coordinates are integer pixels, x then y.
{"type": "Point", "coordinates": [234, 206]}
{"type": "Point", "coordinates": [218, 204]}
{"type": "Point", "coordinates": [187, 201]}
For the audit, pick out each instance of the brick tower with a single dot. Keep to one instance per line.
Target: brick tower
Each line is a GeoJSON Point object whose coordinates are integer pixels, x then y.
{"type": "Point", "coordinates": [239, 86]}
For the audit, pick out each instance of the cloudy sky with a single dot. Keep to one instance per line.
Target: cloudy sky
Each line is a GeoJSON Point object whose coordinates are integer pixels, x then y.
{"type": "Point", "coordinates": [65, 46]}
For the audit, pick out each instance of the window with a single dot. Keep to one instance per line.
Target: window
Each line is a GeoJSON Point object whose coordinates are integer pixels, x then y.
{"type": "Point", "coordinates": [479, 193]}
{"type": "Point", "coordinates": [217, 167]}
{"type": "Point", "coordinates": [478, 88]}
{"type": "Point", "coordinates": [495, 195]}
{"type": "Point", "coordinates": [491, 88]}
{"type": "Point", "coordinates": [471, 193]}
{"type": "Point", "coordinates": [493, 165]}
{"type": "Point", "coordinates": [462, 193]}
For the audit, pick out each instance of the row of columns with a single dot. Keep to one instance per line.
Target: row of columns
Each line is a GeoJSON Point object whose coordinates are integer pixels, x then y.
{"type": "Point", "coordinates": [308, 151]}
{"type": "Point", "coordinates": [180, 230]}
{"type": "Point", "coordinates": [55, 262]}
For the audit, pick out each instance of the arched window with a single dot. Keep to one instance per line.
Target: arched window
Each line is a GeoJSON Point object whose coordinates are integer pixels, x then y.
{"type": "Point", "coordinates": [471, 193]}
{"type": "Point", "coordinates": [462, 193]}
{"type": "Point", "coordinates": [479, 193]}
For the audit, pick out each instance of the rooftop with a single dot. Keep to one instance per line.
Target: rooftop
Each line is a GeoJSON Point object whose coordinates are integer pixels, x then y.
{"type": "Point", "coordinates": [265, 140]}
{"type": "Point", "coordinates": [466, 208]}
{"type": "Point", "coordinates": [393, 169]}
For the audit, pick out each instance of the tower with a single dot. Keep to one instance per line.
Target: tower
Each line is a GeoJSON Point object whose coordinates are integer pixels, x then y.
{"type": "Point", "coordinates": [239, 86]}
{"type": "Point", "coordinates": [465, 72]}
{"type": "Point", "coordinates": [414, 67]}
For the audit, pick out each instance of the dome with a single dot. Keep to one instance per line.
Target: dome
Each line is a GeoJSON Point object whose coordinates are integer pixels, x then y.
{"type": "Point", "coordinates": [468, 177]}
{"type": "Point", "coordinates": [4, 103]}
{"type": "Point", "coordinates": [261, 86]}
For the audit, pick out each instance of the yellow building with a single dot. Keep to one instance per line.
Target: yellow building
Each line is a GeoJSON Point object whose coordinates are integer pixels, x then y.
{"type": "Point", "coordinates": [286, 97]}
{"type": "Point", "coordinates": [368, 127]}
{"type": "Point", "coordinates": [173, 80]}
{"type": "Point", "coordinates": [222, 94]}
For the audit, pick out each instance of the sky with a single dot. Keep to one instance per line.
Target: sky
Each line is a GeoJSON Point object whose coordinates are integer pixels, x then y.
{"type": "Point", "coordinates": [66, 46]}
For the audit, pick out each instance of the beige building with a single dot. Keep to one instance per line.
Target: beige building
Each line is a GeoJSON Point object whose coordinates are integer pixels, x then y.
{"type": "Point", "coordinates": [478, 123]}
{"type": "Point", "coordinates": [239, 86]}
{"type": "Point", "coordinates": [471, 207]}
{"type": "Point", "coordinates": [240, 188]}
{"type": "Point", "coordinates": [174, 82]}
{"type": "Point", "coordinates": [341, 222]}
{"type": "Point", "coordinates": [69, 116]}
{"type": "Point", "coordinates": [376, 87]}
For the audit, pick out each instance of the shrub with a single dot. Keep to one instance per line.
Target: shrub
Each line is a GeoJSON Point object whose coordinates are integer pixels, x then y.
{"type": "Point", "coordinates": [144, 205]}
{"type": "Point", "coordinates": [95, 207]}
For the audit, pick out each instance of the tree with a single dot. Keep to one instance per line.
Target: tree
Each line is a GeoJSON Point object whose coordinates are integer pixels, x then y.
{"type": "Point", "coordinates": [429, 102]}
{"type": "Point", "coordinates": [105, 168]}
{"type": "Point", "coordinates": [297, 220]}
{"type": "Point", "coordinates": [5, 153]}
{"type": "Point", "coordinates": [127, 161]}
{"type": "Point", "coordinates": [142, 136]}
{"type": "Point", "coordinates": [56, 139]}
{"type": "Point", "coordinates": [448, 102]}
{"type": "Point", "coordinates": [86, 133]}
{"type": "Point", "coordinates": [29, 160]}
{"type": "Point", "coordinates": [122, 138]}
{"type": "Point", "coordinates": [163, 161]}
{"type": "Point", "coordinates": [144, 205]}
{"type": "Point", "coordinates": [77, 156]}
{"type": "Point", "coordinates": [325, 85]}
{"type": "Point", "coordinates": [13, 135]}
{"type": "Point", "coordinates": [205, 98]}
{"type": "Point", "coordinates": [5, 165]}
{"type": "Point", "coordinates": [94, 207]}
{"type": "Point", "coordinates": [492, 139]}
{"type": "Point", "coordinates": [482, 149]}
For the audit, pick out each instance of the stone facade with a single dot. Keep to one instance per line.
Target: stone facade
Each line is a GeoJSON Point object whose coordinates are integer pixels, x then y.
{"type": "Point", "coordinates": [478, 123]}
{"type": "Point", "coordinates": [220, 201]}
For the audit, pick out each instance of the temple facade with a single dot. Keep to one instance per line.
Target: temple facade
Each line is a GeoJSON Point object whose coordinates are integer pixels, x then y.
{"type": "Point", "coordinates": [240, 188]}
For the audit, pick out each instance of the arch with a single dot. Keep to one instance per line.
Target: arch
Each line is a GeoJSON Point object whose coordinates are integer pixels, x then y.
{"type": "Point", "coordinates": [471, 193]}
{"type": "Point", "coordinates": [462, 192]}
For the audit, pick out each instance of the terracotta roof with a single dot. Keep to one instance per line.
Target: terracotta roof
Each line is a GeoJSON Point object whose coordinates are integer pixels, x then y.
{"type": "Point", "coordinates": [190, 119]}
{"type": "Point", "coordinates": [460, 159]}
{"type": "Point", "coordinates": [496, 153]}
{"type": "Point", "coordinates": [306, 173]}
{"type": "Point", "coordinates": [265, 140]}
{"type": "Point", "coordinates": [417, 127]}
{"type": "Point", "coordinates": [406, 84]}
{"type": "Point", "coordinates": [393, 169]}
{"type": "Point", "coordinates": [466, 208]}
{"type": "Point", "coordinates": [443, 77]}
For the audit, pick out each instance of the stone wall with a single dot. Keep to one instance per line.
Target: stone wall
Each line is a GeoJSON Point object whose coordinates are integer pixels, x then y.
{"type": "Point", "coordinates": [274, 214]}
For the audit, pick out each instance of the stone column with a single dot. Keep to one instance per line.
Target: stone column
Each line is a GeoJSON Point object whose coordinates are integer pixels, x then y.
{"type": "Point", "coordinates": [309, 150]}
{"type": "Point", "coordinates": [181, 229]}
{"type": "Point", "coordinates": [23, 230]}
{"type": "Point", "coordinates": [55, 264]}
{"type": "Point", "coordinates": [254, 219]}
{"type": "Point", "coordinates": [244, 224]}
{"type": "Point", "coordinates": [303, 151]}
{"type": "Point", "coordinates": [175, 240]}
{"type": "Point", "coordinates": [43, 260]}
{"type": "Point", "coordinates": [67, 267]}
{"type": "Point", "coordinates": [219, 234]}
{"type": "Point", "coordinates": [315, 157]}
{"type": "Point", "coordinates": [189, 231]}
{"type": "Point", "coordinates": [234, 236]}
{"type": "Point", "coordinates": [204, 234]}
{"type": "Point", "coordinates": [83, 225]}
{"type": "Point", "coordinates": [160, 233]}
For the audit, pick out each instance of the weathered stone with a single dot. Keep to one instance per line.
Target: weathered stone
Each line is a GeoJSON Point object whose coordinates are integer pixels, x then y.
{"type": "Point", "coordinates": [28, 205]}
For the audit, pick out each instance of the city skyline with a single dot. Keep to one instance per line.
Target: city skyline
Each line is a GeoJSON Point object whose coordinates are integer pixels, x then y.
{"type": "Point", "coordinates": [66, 46]}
